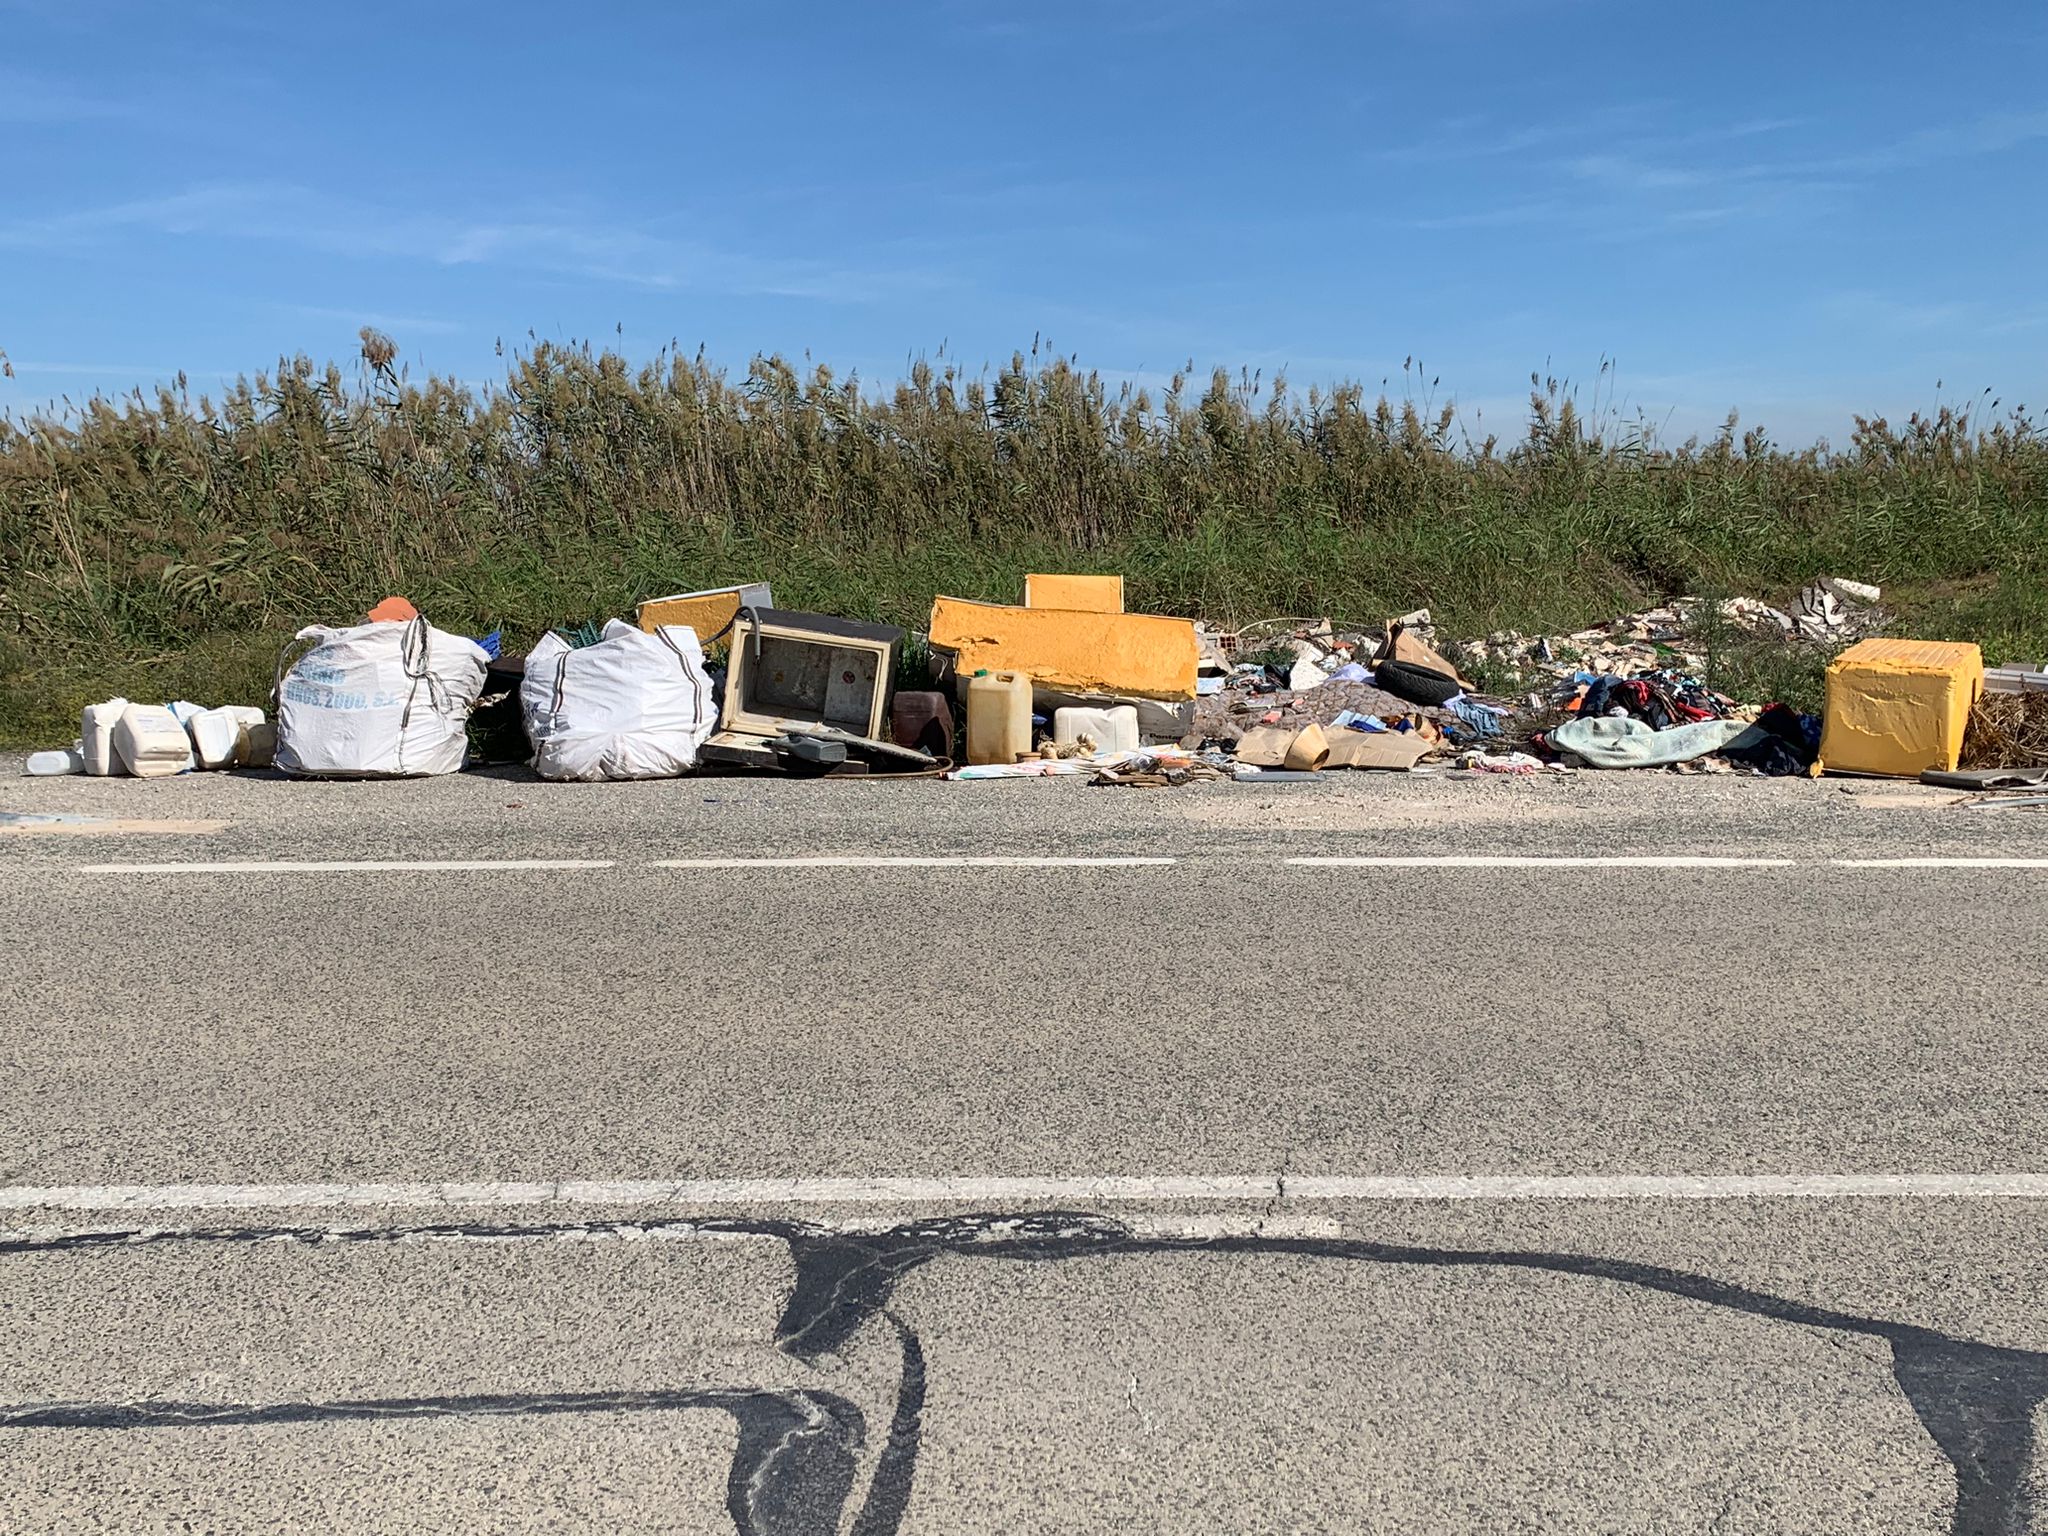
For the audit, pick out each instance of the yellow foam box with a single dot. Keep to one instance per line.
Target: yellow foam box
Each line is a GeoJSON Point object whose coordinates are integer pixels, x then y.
{"type": "Point", "coordinates": [1137, 655]}
{"type": "Point", "coordinates": [705, 612]}
{"type": "Point", "coordinates": [1899, 707]}
{"type": "Point", "coordinates": [1087, 594]}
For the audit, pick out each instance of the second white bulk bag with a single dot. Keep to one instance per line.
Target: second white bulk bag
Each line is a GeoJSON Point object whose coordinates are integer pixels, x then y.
{"type": "Point", "coordinates": [633, 706]}
{"type": "Point", "coordinates": [379, 700]}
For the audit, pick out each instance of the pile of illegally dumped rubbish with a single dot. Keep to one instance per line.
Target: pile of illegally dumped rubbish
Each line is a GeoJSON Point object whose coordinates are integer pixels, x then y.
{"type": "Point", "coordinates": [1675, 636]}
{"type": "Point", "coordinates": [1635, 693]}
{"type": "Point", "coordinates": [1070, 684]}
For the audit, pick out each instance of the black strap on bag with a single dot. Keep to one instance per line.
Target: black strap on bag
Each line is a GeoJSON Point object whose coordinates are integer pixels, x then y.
{"type": "Point", "coordinates": [699, 683]}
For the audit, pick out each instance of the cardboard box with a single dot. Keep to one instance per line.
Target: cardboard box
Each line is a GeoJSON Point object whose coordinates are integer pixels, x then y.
{"type": "Point", "coordinates": [1397, 751]}
{"type": "Point", "coordinates": [1279, 746]}
{"type": "Point", "coordinates": [1899, 707]}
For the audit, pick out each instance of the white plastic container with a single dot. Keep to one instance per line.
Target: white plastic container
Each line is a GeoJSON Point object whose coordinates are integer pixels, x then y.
{"type": "Point", "coordinates": [216, 737]}
{"type": "Point", "coordinates": [259, 745]}
{"type": "Point", "coordinates": [96, 736]}
{"type": "Point", "coordinates": [150, 742]}
{"type": "Point", "coordinates": [255, 737]}
{"type": "Point", "coordinates": [1114, 729]}
{"type": "Point", "coordinates": [51, 765]}
{"type": "Point", "coordinates": [998, 717]}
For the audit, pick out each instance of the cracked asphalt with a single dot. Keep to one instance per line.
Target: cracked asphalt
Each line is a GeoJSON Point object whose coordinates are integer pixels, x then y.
{"type": "Point", "coordinates": [1589, 1365]}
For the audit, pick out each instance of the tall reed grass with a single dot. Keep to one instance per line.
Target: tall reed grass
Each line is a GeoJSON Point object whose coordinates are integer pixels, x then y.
{"type": "Point", "coordinates": [163, 544]}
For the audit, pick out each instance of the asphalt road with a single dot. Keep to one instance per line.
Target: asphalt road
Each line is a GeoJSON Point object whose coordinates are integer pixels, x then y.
{"type": "Point", "coordinates": [605, 1196]}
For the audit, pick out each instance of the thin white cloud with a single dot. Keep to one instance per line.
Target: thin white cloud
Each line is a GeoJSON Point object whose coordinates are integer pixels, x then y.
{"type": "Point", "coordinates": [1482, 138]}
{"type": "Point", "coordinates": [400, 325]}
{"type": "Point", "coordinates": [108, 370]}
{"type": "Point", "coordinates": [31, 99]}
{"type": "Point", "coordinates": [1504, 216]}
{"type": "Point", "coordinates": [1648, 181]}
{"type": "Point", "coordinates": [560, 243]}
{"type": "Point", "coordinates": [1951, 319]}
{"type": "Point", "coordinates": [1631, 171]}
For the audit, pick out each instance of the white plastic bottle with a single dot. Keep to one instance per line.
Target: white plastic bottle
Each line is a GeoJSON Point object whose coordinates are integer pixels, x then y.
{"type": "Point", "coordinates": [50, 765]}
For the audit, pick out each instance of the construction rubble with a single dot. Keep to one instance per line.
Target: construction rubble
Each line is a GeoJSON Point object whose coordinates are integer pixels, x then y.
{"type": "Point", "coordinates": [1070, 684]}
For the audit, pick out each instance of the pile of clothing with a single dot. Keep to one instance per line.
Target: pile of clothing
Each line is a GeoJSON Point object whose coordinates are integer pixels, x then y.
{"type": "Point", "coordinates": [1665, 718]}
{"type": "Point", "coordinates": [1660, 698]}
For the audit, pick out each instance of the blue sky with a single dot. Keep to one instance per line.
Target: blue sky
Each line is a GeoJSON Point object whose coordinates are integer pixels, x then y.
{"type": "Point", "coordinates": [1800, 209]}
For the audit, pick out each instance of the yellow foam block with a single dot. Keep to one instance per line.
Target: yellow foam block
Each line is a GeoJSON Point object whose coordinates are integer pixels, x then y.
{"type": "Point", "coordinates": [705, 612]}
{"type": "Point", "coordinates": [1139, 655]}
{"type": "Point", "coordinates": [1087, 594]}
{"type": "Point", "coordinates": [1899, 707]}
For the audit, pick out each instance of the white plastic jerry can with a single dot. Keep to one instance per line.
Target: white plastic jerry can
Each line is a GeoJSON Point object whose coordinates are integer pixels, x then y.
{"type": "Point", "coordinates": [150, 742]}
{"type": "Point", "coordinates": [1112, 729]}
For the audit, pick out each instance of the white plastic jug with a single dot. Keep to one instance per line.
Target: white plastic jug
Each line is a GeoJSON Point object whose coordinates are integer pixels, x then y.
{"type": "Point", "coordinates": [50, 765]}
{"type": "Point", "coordinates": [259, 745]}
{"type": "Point", "coordinates": [150, 742]}
{"type": "Point", "coordinates": [998, 717]}
{"type": "Point", "coordinates": [1114, 729]}
{"type": "Point", "coordinates": [96, 736]}
{"type": "Point", "coordinates": [216, 737]}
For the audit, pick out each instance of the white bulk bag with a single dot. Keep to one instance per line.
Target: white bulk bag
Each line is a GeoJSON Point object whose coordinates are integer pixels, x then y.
{"type": "Point", "coordinates": [632, 706]}
{"type": "Point", "coordinates": [378, 700]}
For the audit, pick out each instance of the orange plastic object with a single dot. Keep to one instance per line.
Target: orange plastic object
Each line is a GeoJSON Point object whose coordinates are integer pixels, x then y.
{"type": "Point", "coordinates": [393, 610]}
{"type": "Point", "coordinates": [710, 613]}
{"type": "Point", "coordinates": [1132, 655]}
{"type": "Point", "coordinates": [1899, 707]}
{"type": "Point", "coordinates": [1089, 594]}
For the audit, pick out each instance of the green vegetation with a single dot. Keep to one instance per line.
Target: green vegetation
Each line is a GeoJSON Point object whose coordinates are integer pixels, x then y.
{"type": "Point", "coordinates": [167, 547]}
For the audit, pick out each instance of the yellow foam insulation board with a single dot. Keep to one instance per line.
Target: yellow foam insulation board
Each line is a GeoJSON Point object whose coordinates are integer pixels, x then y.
{"type": "Point", "coordinates": [1086, 594]}
{"type": "Point", "coordinates": [705, 612]}
{"type": "Point", "coordinates": [1139, 655]}
{"type": "Point", "coordinates": [1898, 707]}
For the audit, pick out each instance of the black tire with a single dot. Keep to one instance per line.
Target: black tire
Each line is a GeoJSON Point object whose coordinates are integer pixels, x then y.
{"type": "Point", "coordinates": [1416, 685]}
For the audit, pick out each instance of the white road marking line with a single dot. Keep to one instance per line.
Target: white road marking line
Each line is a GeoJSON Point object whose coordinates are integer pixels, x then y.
{"type": "Point", "coordinates": [799, 1191]}
{"type": "Point", "coordinates": [1034, 861]}
{"type": "Point", "coordinates": [1940, 863]}
{"type": "Point", "coordinates": [1658, 1186]}
{"type": "Point", "coordinates": [331, 866]}
{"type": "Point", "coordinates": [934, 861]}
{"type": "Point", "coordinates": [1533, 861]}
{"type": "Point", "coordinates": [980, 1191]}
